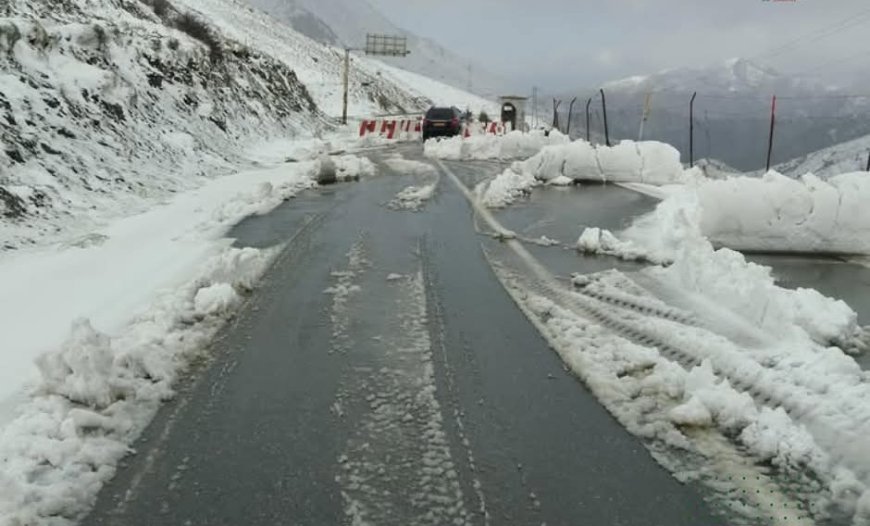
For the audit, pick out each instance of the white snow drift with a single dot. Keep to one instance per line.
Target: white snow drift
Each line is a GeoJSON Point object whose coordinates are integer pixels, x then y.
{"type": "Point", "coordinates": [513, 145]}
{"type": "Point", "coordinates": [97, 392]}
{"type": "Point", "coordinates": [673, 234]}
{"type": "Point", "coordinates": [635, 162]}
{"type": "Point", "coordinates": [775, 212]}
{"type": "Point", "coordinates": [147, 293]}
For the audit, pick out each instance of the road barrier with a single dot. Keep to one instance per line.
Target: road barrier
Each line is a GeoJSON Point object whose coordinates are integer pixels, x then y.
{"type": "Point", "coordinates": [411, 129]}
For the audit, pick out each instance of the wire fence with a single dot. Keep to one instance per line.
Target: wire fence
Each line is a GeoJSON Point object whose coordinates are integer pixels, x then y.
{"type": "Point", "coordinates": [746, 131]}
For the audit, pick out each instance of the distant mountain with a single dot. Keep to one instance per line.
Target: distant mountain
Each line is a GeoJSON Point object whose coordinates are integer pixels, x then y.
{"type": "Point", "coordinates": [346, 22]}
{"type": "Point", "coordinates": [732, 77]}
{"type": "Point", "coordinates": [732, 112]}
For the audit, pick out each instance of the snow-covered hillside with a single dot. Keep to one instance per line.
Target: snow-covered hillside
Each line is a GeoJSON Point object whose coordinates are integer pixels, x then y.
{"type": "Point", "coordinates": [106, 107]}
{"type": "Point", "coordinates": [346, 22]}
{"type": "Point", "coordinates": [850, 156]}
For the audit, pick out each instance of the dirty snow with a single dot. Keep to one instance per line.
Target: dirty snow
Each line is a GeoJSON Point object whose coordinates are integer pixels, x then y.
{"type": "Point", "coordinates": [413, 197]}
{"type": "Point", "coordinates": [403, 166]}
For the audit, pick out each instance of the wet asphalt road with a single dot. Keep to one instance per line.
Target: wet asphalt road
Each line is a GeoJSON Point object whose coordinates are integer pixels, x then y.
{"type": "Point", "coordinates": [381, 375]}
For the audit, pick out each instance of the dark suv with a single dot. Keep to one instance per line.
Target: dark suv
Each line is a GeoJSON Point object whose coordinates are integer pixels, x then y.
{"type": "Point", "coordinates": [443, 122]}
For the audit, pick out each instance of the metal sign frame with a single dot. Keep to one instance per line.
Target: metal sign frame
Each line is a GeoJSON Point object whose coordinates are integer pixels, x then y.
{"type": "Point", "coordinates": [378, 45]}
{"type": "Point", "coordinates": [386, 45]}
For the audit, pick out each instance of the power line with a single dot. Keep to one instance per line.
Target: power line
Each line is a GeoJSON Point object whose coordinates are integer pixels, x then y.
{"type": "Point", "coordinates": [826, 65]}
{"type": "Point", "coordinates": [818, 34]}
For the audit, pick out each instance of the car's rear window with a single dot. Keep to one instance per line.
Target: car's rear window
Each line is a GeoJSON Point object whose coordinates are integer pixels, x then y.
{"type": "Point", "coordinates": [440, 113]}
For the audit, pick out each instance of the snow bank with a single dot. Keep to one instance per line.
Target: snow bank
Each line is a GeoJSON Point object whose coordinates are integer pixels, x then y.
{"type": "Point", "coordinates": [822, 433]}
{"type": "Point", "coordinates": [97, 392]}
{"type": "Point", "coordinates": [121, 268]}
{"type": "Point", "coordinates": [513, 145]}
{"type": "Point", "coordinates": [673, 233]}
{"type": "Point", "coordinates": [644, 162]}
{"type": "Point", "coordinates": [778, 213]}
{"type": "Point", "coordinates": [638, 162]}
{"type": "Point", "coordinates": [353, 167]}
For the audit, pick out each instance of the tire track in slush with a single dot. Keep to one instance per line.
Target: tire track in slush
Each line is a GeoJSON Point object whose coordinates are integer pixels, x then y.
{"type": "Point", "coordinates": [756, 491]}
{"type": "Point", "coordinates": [396, 466]}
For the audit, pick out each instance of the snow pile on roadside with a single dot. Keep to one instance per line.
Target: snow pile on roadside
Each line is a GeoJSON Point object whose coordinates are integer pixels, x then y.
{"type": "Point", "coordinates": [98, 392]}
{"type": "Point", "coordinates": [505, 188]}
{"type": "Point", "coordinates": [779, 213]}
{"type": "Point", "coordinates": [659, 400]}
{"type": "Point", "coordinates": [513, 145]}
{"type": "Point", "coordinates": [687, 408]}
{"type": "Point", "coordinates": [635, 162]}
{"type": "Point", "coordinates": [672, 233]}
{"type": "Point", "coordinates": [351, 167]}
{"type": "Point", "coordinates": [121, 267]}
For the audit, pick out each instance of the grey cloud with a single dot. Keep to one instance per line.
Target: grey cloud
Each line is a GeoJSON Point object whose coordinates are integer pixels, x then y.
{"type": "Point", "coordinates": [568, 43]}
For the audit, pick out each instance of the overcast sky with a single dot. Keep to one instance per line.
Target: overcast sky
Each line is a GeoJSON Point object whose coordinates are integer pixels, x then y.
{"type": "Point", "coordinates": [563, 44]}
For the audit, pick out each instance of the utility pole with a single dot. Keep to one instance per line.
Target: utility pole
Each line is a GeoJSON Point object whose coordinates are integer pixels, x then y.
{"type": "Point", "coordinates": [345, 82]}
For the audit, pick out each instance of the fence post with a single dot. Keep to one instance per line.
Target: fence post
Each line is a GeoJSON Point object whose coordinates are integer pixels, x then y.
{"type": "Point", "coordinates": [772, 126]}
{"type": "Point", "coordinates": [556, 104]}
{"type": "Point", "coordinates": [588, 134]}
{"type": "Point", "coordinates": [570, 113]}
{"type": "Point", "coordinates": [692, 130]}
{"type": "Point", "coordinates": [604, 110]}
{"type": "Point", "coordinates": [643, 118]}
{"type": "Point", "coordinates": [868, 163]}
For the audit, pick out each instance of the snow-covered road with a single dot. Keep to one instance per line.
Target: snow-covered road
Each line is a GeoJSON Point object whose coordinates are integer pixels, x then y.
{"type": "Point", "coordinates": [396, 366]}
{"type": "Point", "coordinates": [382, 375]}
